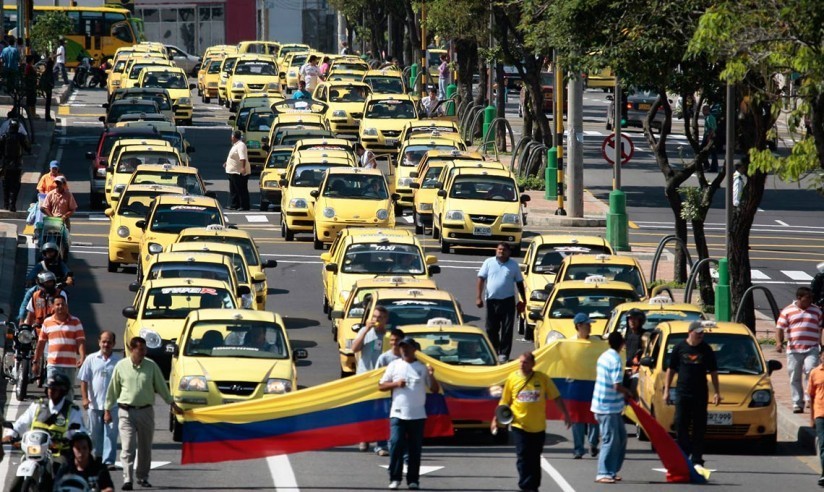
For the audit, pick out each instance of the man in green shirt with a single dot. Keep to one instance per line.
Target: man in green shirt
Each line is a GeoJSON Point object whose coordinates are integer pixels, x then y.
{"type": "Point", "coordinates": [135, 381]}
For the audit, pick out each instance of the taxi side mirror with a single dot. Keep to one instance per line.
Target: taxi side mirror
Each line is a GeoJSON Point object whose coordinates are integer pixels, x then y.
{"type": "Point", "coordinates": [549, 286]}
{"type": "Point", "coordinates": [396, 197]}
{"type": "Point", "coordinates": [134, 286]}
{"type": "Point", "coordinates": [525, 198]}
{"type": "Point", "coordinates": [442, 193]}
{"type": "Point", "coordinates": [110, 169]}
{"type": "Point", "coordinates": [610, 97]}
{"type": "Point", "coordinates": [647, 362]}
{"type": "Point", "coordinates": [265, 147]}
{"type": "Point", "coordinates": [270, 264]}
{"type": "Point", "coordinates": [259, 277]}
{"type": "Point", "coordinates": [523, 268]}
{"type": "Point", "coordinates": [314, 193]}
{"type": "Point", "coordinates": [172, 349]}
{"type": "Point", "coordinates": [331, 267]}
{"type": "Point", "coordinates": [434, 269]}
{"type": "Point", "coordinates": [535, 315]}
{"type": "Point", "coordinates": [300, 354]}
{"type": "Point", "coordinates": [140, 224]}
{"type": "Point", "coordinates": [130, 312]}
{"type": "Point", "coordinates": [283, 183]}
{"type": "Point", "coordinates": [772, 366]}
{"type": "Point", "coordinates": [243, 290]}
{"type": "Point", "coordinates": [431, 259]}
{"type": "Point", "coordinates": [337, 314]}
{"type": "Point", "coordinates": [326, 257]}
{"type": "Point", "coordinates": [415, 186]}
{"type": "Point", "coordinates": [109, 212]}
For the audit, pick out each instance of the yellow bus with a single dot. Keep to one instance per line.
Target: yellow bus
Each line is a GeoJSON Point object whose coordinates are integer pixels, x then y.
{"type": "Point", "coordinates": [98, 31]}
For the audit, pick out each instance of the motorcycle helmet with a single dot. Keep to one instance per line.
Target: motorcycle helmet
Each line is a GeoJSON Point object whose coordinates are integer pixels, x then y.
{"type": "Point", "coordinates": [50, 246]}
{"type": "Point", "coordinates": [71, 483]}
{"type": "Point", "coordinates": [44, 277]}
{"type": "Point", "coordinates": [14, 126]}
{"type": "Point", "coordinates": [637, 313]}
{"type": "Point", "coordinates": [820, 267]}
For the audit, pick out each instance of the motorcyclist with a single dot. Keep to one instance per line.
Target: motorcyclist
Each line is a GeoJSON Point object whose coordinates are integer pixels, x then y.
{"type": "Point", "coordinates": [39, 306]}
{"type": "Point", "coordinates": [817, 286]}
{"type": "Point", "coordinates": [51, 262]}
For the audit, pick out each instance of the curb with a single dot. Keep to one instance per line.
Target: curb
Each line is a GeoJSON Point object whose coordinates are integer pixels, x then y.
{"type": "Point", "coordinates": [564, 221]}
{"type": "Point", "coordinates": [791, 427]}
{"type": "Point", "coordinates": [8, 250]}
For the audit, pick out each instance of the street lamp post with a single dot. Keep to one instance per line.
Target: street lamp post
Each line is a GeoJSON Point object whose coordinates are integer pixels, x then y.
{"type": "Point", "coordinates": [617, 220]}
{"type": "Point", "coordinates": [723, 295]}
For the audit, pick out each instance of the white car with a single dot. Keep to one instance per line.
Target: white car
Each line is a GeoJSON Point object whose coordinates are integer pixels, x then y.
{"type": "Point", "coordinates": [189, 63]}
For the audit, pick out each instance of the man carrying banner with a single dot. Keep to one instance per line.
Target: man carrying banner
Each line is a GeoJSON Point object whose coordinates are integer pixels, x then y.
{"type": "Point", "coordinates": [583, 328]}
{"type": "Point", "coordinates": [608, 406]}
{"type": "Point", "coordinates": [369, 344]}
{"type": "Point", "coordinates": [407, 378]}
{"type": "Point", "coordinates": [526, 392]}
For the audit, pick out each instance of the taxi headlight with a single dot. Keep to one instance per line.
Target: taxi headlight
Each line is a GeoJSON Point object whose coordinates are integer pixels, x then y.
{"type": "Point", "coordinates": [538, 295]}
{"type": "Point", "coordinates": [328, 212]}
{"type": "Point", "coordinates": [511, 219]}
{"type": "Point", "coordinates": [761, 398]}
{"type": "Point", "coordinates": [186, 101]}
{"type": "Point", "coordinates": [298, 203]}
{"type": "Point", "coordinates": [278, 386]}
{"type": "Point", "coordinates": [193, 383]}
{"type": "Point", "coordinates": [382, 214]}
{"type": "Point", "coordinates": [237, 85]}
{"type": "Point", "coordinates": [370, 132]}
{"type": "Point", "coordinates": [25, 336]}
{"type": "Point", "coordinates": [338, 113]}
{"type": "Point", "coordinates": [454, 215]}
{"type": "Point", "coordinates": [123, 231]}
{"type": "Point", "coordinates": [101, 172]}
{"type": "Point", "coordinates": [273, 86]}
{"type": "Point", "coordinates": [155, 248]}
{"type": "Point", "coordinates": [405, 181]}
{"type": "Point", "coordinates": [271, 183]}
{"type": "Point", "coordinates": [554, 335]}
{"type": "Point", "coordinates": [425, 206]}
{"type": "Point", "coordinates": [152, 338]}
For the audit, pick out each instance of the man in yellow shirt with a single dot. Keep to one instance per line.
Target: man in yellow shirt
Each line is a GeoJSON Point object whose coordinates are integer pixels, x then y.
{"type": "Point", "coordinates": [526, 392]}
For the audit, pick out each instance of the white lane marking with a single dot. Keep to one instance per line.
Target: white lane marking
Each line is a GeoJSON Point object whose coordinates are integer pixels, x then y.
{"type": "Point", "coordinates": [782, 223]}
{"type": "Point", "coordinates": [721, 224]}
{"type": "Point", "coordinates": [58, 155]}
{"type": "Point", "coordinates": [556, 475]}
{"type": "Point", "coordinates": [423, 471]}
{"type": "Point", "coordinates": [12, 410]}
{"type": "Point", "coordinates": [797, 275]}
{"type": "Point", "coordinates": [257, 218]}
{"type": "Point", "coordinates": [101, 219]}
{"type": "Point", "coordinates": [758, 275]}
{"type": "Point", "coordinates": [405, 218]}
{"type": "Point", "coordinates": [282, 474]}
{"type": "Point", "coordinates": [155, 464]}
{"type": "Point", "coordinates": [245, 213]}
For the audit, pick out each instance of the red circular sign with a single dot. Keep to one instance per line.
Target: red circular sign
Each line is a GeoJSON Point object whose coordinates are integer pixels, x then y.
{"type": "Point", "coordinates": [608, 149]}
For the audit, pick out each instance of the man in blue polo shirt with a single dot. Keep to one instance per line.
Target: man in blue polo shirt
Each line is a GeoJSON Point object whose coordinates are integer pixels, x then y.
{"type": "Point", "coordinates": [497, 280]}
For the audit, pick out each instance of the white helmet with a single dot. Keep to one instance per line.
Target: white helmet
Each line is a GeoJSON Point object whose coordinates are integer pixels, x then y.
{"type": "Point", "coordinates": [820, 267]}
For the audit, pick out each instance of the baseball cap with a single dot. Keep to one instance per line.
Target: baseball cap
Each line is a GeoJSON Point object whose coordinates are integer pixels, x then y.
{"type": "Point", "coordinates": [60, 179]}
{"type": "Point", "coordinates": [409, 341]}
{"type": "Point", "coordinates": [581, 318]}
{"type": "Point", "coordinates": [54, 164]}
{"type": "Point", "coordinates": [697, 327]}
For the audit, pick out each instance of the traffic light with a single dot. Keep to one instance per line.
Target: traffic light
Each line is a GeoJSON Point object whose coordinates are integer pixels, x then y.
{"type": "Point", "coordinates": [623, 122]}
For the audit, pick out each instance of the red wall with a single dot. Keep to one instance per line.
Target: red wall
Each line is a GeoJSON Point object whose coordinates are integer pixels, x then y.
{"type": "Point", "coordinates": [241, 18]}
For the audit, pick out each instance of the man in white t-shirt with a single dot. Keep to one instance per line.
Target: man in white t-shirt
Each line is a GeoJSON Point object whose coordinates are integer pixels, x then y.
{"type": "Point", "coordinates": [407, 379]}
{"type": "Point", "coordinates": [60, 61]}
{"type": "Point", "coordinates": [310, 72]}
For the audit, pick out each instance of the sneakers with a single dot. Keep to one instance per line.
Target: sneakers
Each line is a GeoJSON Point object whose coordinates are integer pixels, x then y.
{"type": "Point", "coordinates": [577, 456]}
{"type": "Point", "coordinates": [413, 486]}
{"type": "Point", "coordinates": [394, 484]}
{"type": "Point", "coordinates": [821, 481]}
{"type": "Point", "coordinates": [381, 452]}
{"type": "Point", "coordinates": [797, 409]}
{"type": "Point", "coordinates": [593, 451]}
{"type": "Point", "coordinates": [364, 446]}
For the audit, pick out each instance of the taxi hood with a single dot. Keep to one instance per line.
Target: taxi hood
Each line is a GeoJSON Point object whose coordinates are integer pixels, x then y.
{"type": "Point", "coordinates": [234, 369]}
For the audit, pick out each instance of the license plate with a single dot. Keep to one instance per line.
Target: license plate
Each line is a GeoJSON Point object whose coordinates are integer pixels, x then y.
{"type": "Point", "coordinates": [644, 107]}
{"type": "Point", "coordinates": [482, 231]}
{"type": "Point", "coordinates": [719, 418]}
{"type": "Point", "coordinates": [391, 141]}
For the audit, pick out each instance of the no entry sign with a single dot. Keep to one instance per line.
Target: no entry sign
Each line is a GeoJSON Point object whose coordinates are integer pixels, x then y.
{"type": "Point", "coordinates": [608, 149]}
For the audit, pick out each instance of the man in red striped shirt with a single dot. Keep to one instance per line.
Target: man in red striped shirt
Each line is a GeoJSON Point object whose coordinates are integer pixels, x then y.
{"type": "Point", "coordinates": [801, 321]}
{"type": "Point", "coordinates": [64, 334]}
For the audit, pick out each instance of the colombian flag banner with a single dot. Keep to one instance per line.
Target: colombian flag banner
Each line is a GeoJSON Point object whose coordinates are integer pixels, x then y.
{"type": "Point", "coordinates": [352, 410]}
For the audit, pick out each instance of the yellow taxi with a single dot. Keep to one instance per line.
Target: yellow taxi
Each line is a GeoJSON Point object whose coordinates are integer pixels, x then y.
{"type": "Point", "coordinates": [352, 312]}
{"type": "Point", "coordinates": [303, 175]}
{"type": "Point", "coordinates": [124, 143]}
{"type": "Point", "coordinates": [258, 47]}
{"type": "Point", "coordinates": [170, 214]}
{"type": "Point", "coordinates": [351, 197]}
{"type": "Point", "coordinates": [325, 144]}
{"type": "Point", "coordinates": [225, 69]}
{"type": "Point", "coordinates": [410, 155]}
{"type": "Point", "coordinates": [594, 296]}
{"type": "Point", "coordinates": [258, 124]}
{"type": "Point", "coordinates": [207, 82]}
{"type": "Point", "coordinates": [168, 175]}
{"type": "Point", "coordinates": [747, 412]}
{"type": "Point", "coordinates": [287, 48]}
{"type": "Point", "coordinates": [349, 63]}
{"type": "Point", "coordinates": [242, 239]}
{"type": "Point", "coordinates": [134, 66]}
{"type": "Point", "coordinates": [234, 253]}
{"type": "Point", "coordinates": [175, 81]}
{"type": "Point", "coordinates": [119, 62]}
{"type": "Point", "coordinates": [133, 156]}
{"type": "Point", "coordinates": [612, 267]}
{"type": "Point", "coordinates": [224, 49]}
{"type": "Point", "coordinates": [228, 355]}
{"type": "Point", "coordinates": [443, 128]}
{"type": "Point", "coordinates": [543, 259]}
{"type": "Point", "coordinates": [359, 253]}
{"type": "Point", "coordinates": [270, 189]}
{"type": "Point", "coordinates": [161, 305]}
{"type": "Point", "coordinates": [124, 235]}
{"type": "Point", "coordinates": [167, 131]}
{"type": "Point", "coordinates": [346, 76]}
{"type": "Point", "coordinates": [657, 310]}
{"type": "Point", "coordinates": [479, 207]}
{"type": "Point", "coordinates": [237, 120]}
{"type": "Point", "coordinates": [345, 100]}
{"type": "Point", "coordinates": [385, 81]}
{"type": "Point", "coordinates": [296, 114]}
{"type": "Point", "coordinates": [384, 118]}
{"type": "Point", "coordinates": [252, 74]}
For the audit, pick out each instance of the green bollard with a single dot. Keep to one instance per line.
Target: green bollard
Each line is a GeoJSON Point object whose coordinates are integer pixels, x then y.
{"type": "Point", "coordinates": [617, 221]}
{"type": "Point", "coordinates": [451, 89]}
{"type": "Point", "coordinates": [413, 74]}
{"type": "Point", "coordinates": [551, 174]}
{"type": "Point", "coordinates": [723, 299]}
{"type": "Point", "coordinates": [489, 115]}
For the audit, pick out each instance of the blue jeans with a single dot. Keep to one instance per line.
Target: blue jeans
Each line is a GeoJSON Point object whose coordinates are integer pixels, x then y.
{"type": "Point", "coordinates": [819, 432]}
{"type": "Point", "coordinates": [405, 436]}
{"type": "Point", "coordinates": [578, 432]}
{"type": "Point", "coordinates": [69, 372]}
{"type": "Point", "coordinates": [104, 436]}
{"type": "Point", "coordinates": [613, 444]}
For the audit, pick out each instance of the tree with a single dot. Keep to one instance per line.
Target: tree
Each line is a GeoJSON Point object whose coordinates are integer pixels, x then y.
{"type": "Point", "coordinates": [47, 31]}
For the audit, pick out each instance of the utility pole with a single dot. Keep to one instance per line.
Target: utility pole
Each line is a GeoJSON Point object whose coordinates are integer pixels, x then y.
{"type": "Point", "coordinates": [558, 120]}
{"type": "Point", "coordinates": [723, 295]}
{"type": "Point", "coordinates": [575, 175]}
{"type": "Point", "coordinates": [617, 220]}
{"type": "Point", "coordinates": [424, 69]}
{"type": "Point", "coordinates": [341, 29]}
{"type": "Point", "coordinates": [489, 110]}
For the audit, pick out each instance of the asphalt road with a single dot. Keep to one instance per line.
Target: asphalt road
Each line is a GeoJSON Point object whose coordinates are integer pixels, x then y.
{"type": "Point", "coordinates": [470, 463]}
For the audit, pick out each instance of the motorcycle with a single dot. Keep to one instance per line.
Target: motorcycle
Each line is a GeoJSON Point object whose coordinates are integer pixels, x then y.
{"type": "Point", "coordinates": [98, 77]}
{"type": "Point", "coordinates": [40, 457]}
{"type": "Point", "coordinates": [18, 355]}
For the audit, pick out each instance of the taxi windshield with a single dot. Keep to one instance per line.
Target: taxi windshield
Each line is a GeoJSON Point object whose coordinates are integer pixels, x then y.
{"type": "Point", "coordinates": [229, 64]}
{"type": "Point", "coordinates": [130, 160]}
{"type": "Point", "coordinates": [190, 269]}
{"type": "Point", "coordinates": [166, 80]}
{"type": "Point", "coordinates": [413, 311]}
{"type": "Point", "coordinates": [654, 318]}
{"type": "Point", "coordinates": [383, 258]}
{"type": "Point", "coordinates": [597, 303]}
{"type": "Point", "coordinates": [260, 121]}
{"type": "Point", "coordinates": [255, 68]}
{"type": "Point", "coordinates": [173, 138]}
{"type": "Point", "coordinates": [413, 154]}
{"type": "Point", "coordinates": [136, 203]}
{"type": "Point", "coordinates": [187, 181]}
{"type": "Point", "coordinates": [622, 273]}
{"type": "Point", "coordinates": [137, 68]}
{"type": "Point", "coordinates": [348, 93]}
{"type": "Point", "coordinates": [177, 302]}
{"type": "Point", "coordinates": [118, 110]}
{"type": "Point", "coordinates": [350, 65]}
{"type": "Point", "coordinates": [278, 159]}
{"type": "Point", "coordinates": [162, 101]}
{"type": "Point", "coordinates": [480, 187]}
{"type": "Point", "coordinates": [390, 109]}
{"type": "Point", "coordinates": [356, 186]}
{"type": "Point", "coordinates": [457, 349]}
{"type": "Point", "coordinates": [245, 244]}
{"type": "Point", "coordinates": [309, 175]}
{"type": "Point", "coordinates": [385, 85]}
{"type": "Point", "coordinates": [345, 77]}
{"type": "Point", "coordinates": [549, 257]}
{"type": "Point", "coordinates": [431, 177]}
{"type": "Point", "coordinates": [298, 60]}
{"type": "Point", "coordinates": [735, 354]}
{"type": "Point", "coordinates": [214, 67]}
{"type": "Point", "coordinates": [174, 218]}
{"type": "Point", "coordinates": [247, 339]}
{"type": "Point", "coordinates": [285, 50]}
{"type": "Point", "coordinates": [262, 48]}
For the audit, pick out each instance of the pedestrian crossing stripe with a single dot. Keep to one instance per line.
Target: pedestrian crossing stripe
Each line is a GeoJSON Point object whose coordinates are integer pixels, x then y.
{"type": "Point", "coordinates": [797, 275]}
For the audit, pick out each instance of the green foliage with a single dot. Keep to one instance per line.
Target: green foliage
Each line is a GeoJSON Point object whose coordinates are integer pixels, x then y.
{"type": "Point", "coordinates": [48, 29]}
{"type": "Point", "coordinates": [691, 205]}
{"type": "Point", "coordinates": [458, 19]}
{"type": "Point", "coordinates": [531, 183]}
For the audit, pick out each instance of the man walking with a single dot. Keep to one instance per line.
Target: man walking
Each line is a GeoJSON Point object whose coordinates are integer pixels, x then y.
{"type": "Point", "coordinates": [583, 327]}
{"type": "Point", "coordinates": [237, 171]}
{"type": "Point", "coordinates": [801, 323]}
{"type": "Point", "coordinates": [60, 61]}
{"type": "Point", "coordinates": [634, 343]}
{"type": "Point", "coordinates": [11, 65]}
{"type": "Point", "coordinates": [816, 392]}
{"type": "Point", "coordinates": [13, 143]}
{"type": "Point", "coordinates": [526, 392]}
{"type": "Point", "coordinates": [692, 359]}
{"type": "Point", "coordinates": [134, 383]}
{"type": "Point", "coordinates": [369, 344]}
{"type": "Point", "coordinates": [66, 338]}
{"type": "Point", "coordinates": [95, 375]}
{"type": "Point", "coordinates": [608, 406]}
{"type": "Point", "coordinates": [407, 378]}
{"type": "Point", "coordinates": [497, 280]}
{"type": "Point", "coordinates": [310, 72]}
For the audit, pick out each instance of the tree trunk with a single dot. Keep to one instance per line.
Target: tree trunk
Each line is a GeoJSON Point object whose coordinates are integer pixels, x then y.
{"type": "Point", "coordinates": [467, 55]}
{"type": "Point", "coordinates": [480, 97]}
{"type": "Point", "coordinates": [817, 124]}
{"type": "Point", "coordinates": [500, 106]}
{"type": "Point", "coordinates": [532, 84]}
{"type": "Point", "coordinates": [704, 277]}
{"type": "Point", "coordinates": [413, 26]}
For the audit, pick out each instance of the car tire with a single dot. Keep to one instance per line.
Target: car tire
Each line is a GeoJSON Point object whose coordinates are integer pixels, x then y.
{"type": "Point", "coordinates": [175, 427]}
{"type": "Point", "coordinates": [325, 305]}
{"type": "Point", "coordinates": [264, 205]}
{"type": "Point", "coordinates": [207, 99]}
{"type": "Point", "coordinates": [112, 267]}
{"type": "Point", "coordinates": [445, 248]}
{"type": "Point", "coordinates": [286, 233]}
{"type": "Point", "coordinates": [316, 242]}
{"type": "Point", "coordinates": [436, 233]}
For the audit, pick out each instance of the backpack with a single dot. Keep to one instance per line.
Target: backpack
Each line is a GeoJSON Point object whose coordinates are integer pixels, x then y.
{"type": "Point", "coordinates": [12, 147]}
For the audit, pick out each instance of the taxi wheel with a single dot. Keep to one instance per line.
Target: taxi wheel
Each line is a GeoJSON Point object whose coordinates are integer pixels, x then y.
{"type": "Point", "coordinates": [436, 233]}
{"type": "Point", "coordinates": [112, 267]}
{"type": "Point", "coordinates": [207, 99]}
{"type": "Point", "coordinates": [264, 205]}
{"type": "Point", "coordinates": [419, 229]}
{"type": "Point", "coordinates": [326, 308]}
{"type": "Point", "coordinates": [444, 246]}
{"type": "Point", "coordinates": [316, 243]}
{"type": "Point", "coordinates": [286, 233]}
{"type": "Point", "coordinates": [175, 428]}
